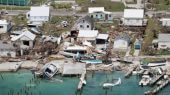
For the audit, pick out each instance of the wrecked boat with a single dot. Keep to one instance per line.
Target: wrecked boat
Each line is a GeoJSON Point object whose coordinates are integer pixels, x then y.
{"type": "Point", "coordinates": [107, 85]}
{"type": "Point", "coordinates": [50, 70]}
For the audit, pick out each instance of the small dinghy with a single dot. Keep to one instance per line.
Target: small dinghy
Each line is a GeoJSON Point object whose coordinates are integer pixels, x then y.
{"type": "Point", "coordinates": [107, 85]}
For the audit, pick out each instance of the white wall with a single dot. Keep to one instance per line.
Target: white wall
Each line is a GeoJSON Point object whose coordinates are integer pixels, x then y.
{"type": "Point", "coordinates": [166, 23]}
{"type": "Point", "coordinates": [120, 44]}
{"type": "Point", "coordinates": [38, 18]}
{"type": "Point", "coordinates": [133, 22]}
{"type": "Point", "coordinates": [4, 29]}
{"type": "Point", "coordinates": [84, 26]}
{"type": "Point", "coordinates": [163, 45]}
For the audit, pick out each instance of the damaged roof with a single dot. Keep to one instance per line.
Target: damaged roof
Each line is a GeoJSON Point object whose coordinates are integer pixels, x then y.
{"type": "Point", "coordinates": [27, 34]}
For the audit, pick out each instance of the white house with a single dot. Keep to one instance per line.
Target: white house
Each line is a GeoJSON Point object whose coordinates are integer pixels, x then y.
{"type": "Point", "coordinates": [121, 42]}
{"type": "Point", "coordinates": [38, 14]}
{"type": "Point", "coordinates": [165, 21]}
{"type": "Point", "coordinates": [7, 49]}
{"type": "Point", "coordinates": [87, 35]}
{"type": "Point", "coordinates": [5, 26]}
{"type": "Point", "coordinates": [164, 41]}
{"type": "Point", "coordinates": [133, 17]}
{"type": "Point", "coordinates": [99, 13]}
{"type": "Point", "coordinates": [25, 39]}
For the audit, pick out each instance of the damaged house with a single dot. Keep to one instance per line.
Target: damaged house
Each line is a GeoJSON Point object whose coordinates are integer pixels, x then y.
{"type": "Point", "coordinates": [24, 41]}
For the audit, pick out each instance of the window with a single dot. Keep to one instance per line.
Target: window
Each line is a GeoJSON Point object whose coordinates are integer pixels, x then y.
{"type": "Point", "coordinates": [1, 27]}
{"type": "Point", "coordinates": [81, 26]}
{"type": "Point", "coordinates": [26, 43]}
{"type": "Point", "coordinates": [96, 16]}
{"type": "Point", "coordinates": [88, 26]}
{"type": "Point", "coordinates": [163, 45]}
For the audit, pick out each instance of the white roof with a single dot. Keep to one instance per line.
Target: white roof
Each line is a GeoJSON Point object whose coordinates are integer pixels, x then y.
{"type": "Point", "coordinates": [164, 37]}
{"type": "Point", "coordinates": [103, 36]}
{"type": "Point", "coordinates": [40, 11]}
{"type": "Point", "coordinates": [28, 34]}
{"type": "Point", "coordinates": [133, 13]}
{"type": "Point", "coordinates": [3, 21]}
{"type": "Point", "coordinates": [88, 33]}
{"type": "Point", "coordinates": [165, 19]}
{"type": "Point", "coordinates": [95, 9]}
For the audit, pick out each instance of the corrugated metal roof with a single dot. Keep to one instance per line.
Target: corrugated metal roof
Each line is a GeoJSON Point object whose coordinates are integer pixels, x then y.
{"type": "Point", "coordinates": [40, 11]}
{"type": "Point", "coordinates": [133, 13]}
{"type": "Point", "coordinates": [164, 37]}
{"type": "Point", "coordinates": [88, 33]}
{"type": "Point", "coordinates": [95, 9]}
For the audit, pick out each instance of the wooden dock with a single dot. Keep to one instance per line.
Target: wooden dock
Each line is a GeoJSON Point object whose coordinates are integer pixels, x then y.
{"type": "Point", "coordinates": [130, 71]}
{"type": "Point", "coordinates": [82, 79]}
{"type": "Point", "coordinates": [157, 89]}
{"type": "Point", "coordinates": [156, 79]}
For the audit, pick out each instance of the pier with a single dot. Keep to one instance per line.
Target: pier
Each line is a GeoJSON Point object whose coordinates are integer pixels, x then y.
{"type": "Point", "coordinates": [82, 81]}
{"type": "Point", "coordinates": [157, 89]}
{"type": "Point", "coordinates": [156, 79]}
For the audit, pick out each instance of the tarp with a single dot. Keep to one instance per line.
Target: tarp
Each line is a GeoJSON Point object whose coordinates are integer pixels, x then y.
{"type": "Point", "coordinates": [15, 2]}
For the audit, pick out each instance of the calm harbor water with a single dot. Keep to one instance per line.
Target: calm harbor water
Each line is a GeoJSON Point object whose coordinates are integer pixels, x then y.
{"type": "Point", "coordinates": [24, 83]}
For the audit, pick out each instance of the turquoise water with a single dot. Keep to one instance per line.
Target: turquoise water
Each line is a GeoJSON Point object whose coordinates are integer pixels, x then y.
{"type": "Point", "coordinates": [23, 83]}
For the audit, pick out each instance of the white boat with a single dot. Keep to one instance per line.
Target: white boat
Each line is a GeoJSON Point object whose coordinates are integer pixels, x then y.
{"type": "Point", "coordinates": [106, 85]}
{"type": "Point", "coordinates": [50, 70]}
{"type": "Point", "coordinates": [145, 80]}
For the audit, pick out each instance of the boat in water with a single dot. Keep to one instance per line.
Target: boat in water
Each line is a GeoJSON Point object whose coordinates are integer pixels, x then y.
{"type": "Point", "coordinates": [145, 80]}
{"type": "Point", "coordinates": [107, 85]}
{"type": "Point", "coordinates": [50, 70]}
